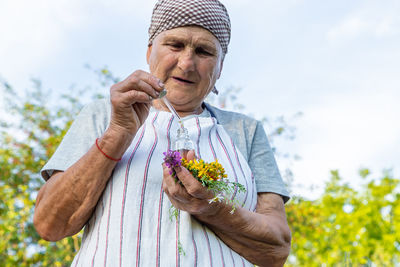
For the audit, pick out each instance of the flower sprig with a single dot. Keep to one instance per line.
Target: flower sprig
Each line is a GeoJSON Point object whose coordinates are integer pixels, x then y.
{"type": "Point", "coordinates": [211, 175]}
{"type": "Point", "coordinates": [172, 159]}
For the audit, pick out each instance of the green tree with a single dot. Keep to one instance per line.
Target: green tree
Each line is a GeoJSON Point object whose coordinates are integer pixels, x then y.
{"type": "Point", "coordinates": [26, 145]}
{"type": "Point", "coordinates": [28, 137]}
{"type": "Point", "coordinates": [348, 226]}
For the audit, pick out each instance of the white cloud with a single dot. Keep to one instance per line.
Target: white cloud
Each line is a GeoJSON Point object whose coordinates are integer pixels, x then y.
{"type": "Point", "coordinates": [350, 27]}
{"type": "Point", "coordinates": [38, 32]}
{"type": "Point", "coordinates": [263, 5]}
{"type": "Point", "coordinates": [374, 19]}
{"type": "Point", "coordinates": [347, 132]}
{"type": "Point", "coordinates": [35, 32]}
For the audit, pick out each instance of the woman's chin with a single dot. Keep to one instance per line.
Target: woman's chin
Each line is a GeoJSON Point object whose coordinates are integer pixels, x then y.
{"type": "Point", "coordinates": [180, 100]}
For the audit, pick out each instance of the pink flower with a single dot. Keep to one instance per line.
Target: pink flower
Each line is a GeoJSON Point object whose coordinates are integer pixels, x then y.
{"type": "Point", "coordinates": [172, 159]}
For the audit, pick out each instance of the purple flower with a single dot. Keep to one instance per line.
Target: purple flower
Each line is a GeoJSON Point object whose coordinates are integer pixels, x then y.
{"type": "Point", "coordinates": [172, 159]}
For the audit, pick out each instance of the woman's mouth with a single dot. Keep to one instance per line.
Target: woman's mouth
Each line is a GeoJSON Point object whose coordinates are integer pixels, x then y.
{"type": "Point", "coordinates": [182, 80]}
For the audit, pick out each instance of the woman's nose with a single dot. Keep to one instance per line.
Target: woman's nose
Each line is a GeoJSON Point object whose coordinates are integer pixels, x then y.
{"type": "Point", "coordinates": [186, 61]}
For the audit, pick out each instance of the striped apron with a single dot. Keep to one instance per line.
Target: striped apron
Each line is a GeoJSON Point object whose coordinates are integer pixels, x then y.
{"type": "Point", "coordinates": [131, 225]}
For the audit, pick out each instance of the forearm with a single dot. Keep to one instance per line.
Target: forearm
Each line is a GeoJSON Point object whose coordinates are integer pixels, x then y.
{"type": "Point", "coordinates": [263, 239]}
{"type": "Point", "coordinates": [66, 201]}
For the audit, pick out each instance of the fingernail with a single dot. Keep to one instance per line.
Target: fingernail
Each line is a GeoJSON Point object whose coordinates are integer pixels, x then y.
{"type": "Point", "coordinates": [161, 84]}
{"type": "Point", "coordinates": [157, 93]}
{"type": "Point", "coordinates": [150, 98]}
{"type": "Point", "coordinates": [177, 169]}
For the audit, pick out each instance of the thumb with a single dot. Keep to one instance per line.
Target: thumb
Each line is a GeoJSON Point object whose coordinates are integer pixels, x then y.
{"type": "Point", "coordinates": [191, 155]}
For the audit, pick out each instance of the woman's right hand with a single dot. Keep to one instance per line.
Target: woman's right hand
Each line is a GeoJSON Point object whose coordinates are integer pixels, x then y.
{"type": "Point", "coordinates": [61, 209]}
{"type": "Point", "coordinates": [131, 100]}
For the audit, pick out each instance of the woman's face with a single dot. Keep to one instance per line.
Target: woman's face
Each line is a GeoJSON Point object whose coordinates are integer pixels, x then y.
{"type": "Point", "coordinates": [188, 60]}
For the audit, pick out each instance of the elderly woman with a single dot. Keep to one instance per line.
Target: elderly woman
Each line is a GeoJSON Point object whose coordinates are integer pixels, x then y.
{"type": "Point", "coordinates": [107, 174]}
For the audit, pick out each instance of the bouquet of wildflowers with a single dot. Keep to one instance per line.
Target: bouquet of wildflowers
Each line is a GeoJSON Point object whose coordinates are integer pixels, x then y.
{"type": "Point", "coordinates": [211, 175]}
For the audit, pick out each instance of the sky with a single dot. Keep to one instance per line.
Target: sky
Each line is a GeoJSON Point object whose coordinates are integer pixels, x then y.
{"type": "Point", "coordinates": [336, 62]}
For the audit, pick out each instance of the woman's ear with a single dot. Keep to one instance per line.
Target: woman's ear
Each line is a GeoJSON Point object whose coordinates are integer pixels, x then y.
{"type": "Point", "coordinates": [220, 68]}
{"type": "Point", "coordinates": [148, 54]}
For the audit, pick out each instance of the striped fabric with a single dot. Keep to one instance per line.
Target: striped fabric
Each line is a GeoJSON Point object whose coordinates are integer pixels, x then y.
{"type": "Point", "coordinates": [131, 224]}
{"type": "Point", "coordinates": [209, 14]}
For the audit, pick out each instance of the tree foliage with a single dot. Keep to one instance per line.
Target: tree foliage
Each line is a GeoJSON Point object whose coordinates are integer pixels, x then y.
{"type": "Point", "coordinates": [28, 138]}
{"type": "Point", "coordinates": [348, 226]}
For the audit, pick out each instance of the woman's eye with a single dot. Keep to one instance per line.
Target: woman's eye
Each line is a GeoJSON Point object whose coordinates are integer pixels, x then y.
{"type": "Point", "coordinates": [202, 51]}
{"type": "Point", "coordinates": [175, 45]}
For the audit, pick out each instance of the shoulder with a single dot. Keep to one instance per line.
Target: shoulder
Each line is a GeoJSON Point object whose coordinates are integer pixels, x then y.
{"type": "Point", "coordinates": [101, 105]}
{"type": "Point", "coordinates": [241, 128]}
{"type": "Point", "coordinates": [229, 117]}
{"type": "Point", "coordinates": [99, 109]}
{"type": "Point", "coordinates": [96, 114]}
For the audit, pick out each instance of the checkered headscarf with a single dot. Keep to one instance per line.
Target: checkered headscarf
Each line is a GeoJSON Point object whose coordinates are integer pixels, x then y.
{"type": "Point", "coordinates": [209, 14]}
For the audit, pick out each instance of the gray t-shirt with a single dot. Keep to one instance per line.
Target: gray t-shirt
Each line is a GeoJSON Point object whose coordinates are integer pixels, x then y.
{"type": "Point", "coordinates": [247, 134]}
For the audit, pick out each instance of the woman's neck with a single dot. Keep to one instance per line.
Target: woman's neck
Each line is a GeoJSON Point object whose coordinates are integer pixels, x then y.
{"type": "Point", "coordinates": [160, 105]}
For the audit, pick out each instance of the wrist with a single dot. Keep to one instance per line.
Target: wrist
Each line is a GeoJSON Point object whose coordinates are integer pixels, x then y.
{"type": "Point", "coordinates": [217, 211]}
{"type": "Point", "coordinates": [225, 220]}
{"type": "Point", "coordinates": [105, 154]}
{"type": "Point", "coordinates": [116, 131]}
{"type": "Point", "coordinates": [114, 143]}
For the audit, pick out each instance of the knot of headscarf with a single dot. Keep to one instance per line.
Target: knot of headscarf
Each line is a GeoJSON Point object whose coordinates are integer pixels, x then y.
{"type": "Point", "coordinates": [209, 14]}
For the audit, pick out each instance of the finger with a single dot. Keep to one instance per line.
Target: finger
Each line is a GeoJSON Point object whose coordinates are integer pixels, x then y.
{"type": "Point", "coordinates": [142, 111]}
{"type": "Point", "coordinates": [172, 188]}
{"type": "Point", "coordinates": [178, 197]}
{"type": "Point", "coordinates": [139, 81]}
{"type": "Point", "coordinates": [131, 97]}
{"type": "Point", "coordinates": [135, 83]}
{"type": "Point", "coordinates": [147, 88]}
{"type": "Point", "coordinates": [174, 202]}
{"type": "Point", "coordinates": [191, 155]}
{"type": "Point", "coordinates": [154, 84]}
{"type": "Point", "coordinates": [141, 108]}
{"type": "Point", "coordinates": [168, 180]}
{"type": "Point", "coordinates": [192, 185]}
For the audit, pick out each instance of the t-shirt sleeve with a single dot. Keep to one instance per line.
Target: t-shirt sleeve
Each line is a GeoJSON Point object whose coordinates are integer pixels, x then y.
{"type": "Point", "coordinates": [90, 123]}
{"type": "Point", "coordinates": [263, 165]}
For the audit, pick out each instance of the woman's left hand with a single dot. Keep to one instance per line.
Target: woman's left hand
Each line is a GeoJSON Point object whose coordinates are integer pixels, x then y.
{"type": "Point", "coordinates": [191, 195]}
{"type": "Point", "coordinates": [262, 237]}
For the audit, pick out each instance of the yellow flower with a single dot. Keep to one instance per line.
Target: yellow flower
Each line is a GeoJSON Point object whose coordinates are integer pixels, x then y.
{"type": "Point", "coordinates": [205, 171]}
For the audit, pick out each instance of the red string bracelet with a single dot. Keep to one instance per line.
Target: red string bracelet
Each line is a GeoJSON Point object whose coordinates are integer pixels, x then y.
{"type": "Point", "coordinates": [107, 156]}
